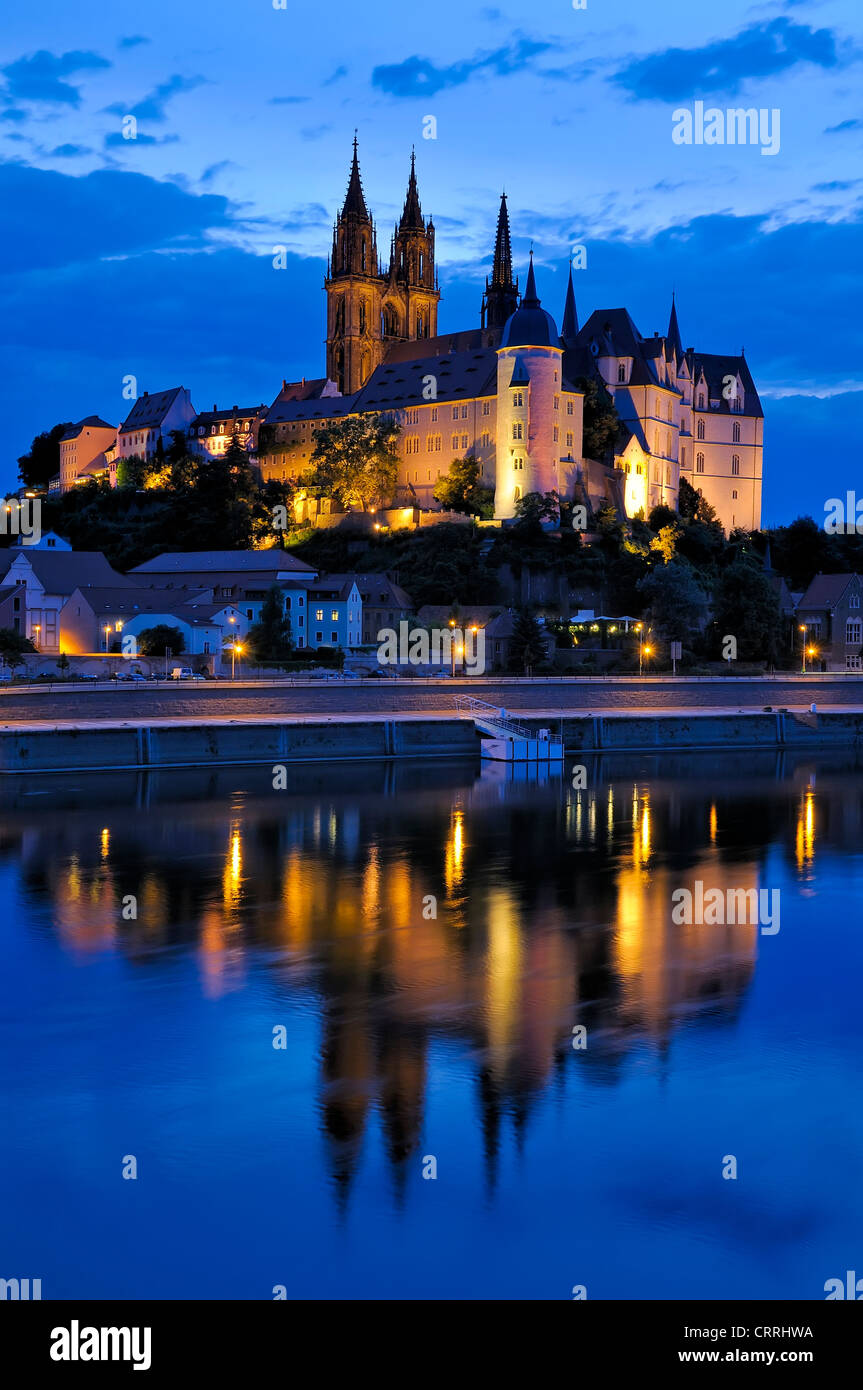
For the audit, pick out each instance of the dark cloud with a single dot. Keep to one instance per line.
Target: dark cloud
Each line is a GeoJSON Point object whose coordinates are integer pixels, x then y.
{"type": "Point", "coordinates": [152, 107]}
{"type": "Point", "coordinates": [851, 124]}
{"type": "Point", "coordinates": [69, 151]}
{"type": "Point", "coordinates": [417, 76]}
{"type": "Point", "coordinates": [13, 114]}
{"type": "Point", "coordinates": [105, 213]}
{"type": "Point", "coordinates": [40, 77]}
{"type": "Point", "coordinates": [213, 170]}
{"type": "Point", "coordinates": [340, 72]}
{"type": "Point", "coordinates": [116, 139]}
{"type": "Point", "coordinates": [761, 50]}
{"type": "Point", "coordinates": [132, 41]}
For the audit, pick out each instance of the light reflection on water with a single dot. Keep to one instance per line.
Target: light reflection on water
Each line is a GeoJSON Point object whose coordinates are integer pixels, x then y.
{"type": "Point", "coordinates": [429, 938]}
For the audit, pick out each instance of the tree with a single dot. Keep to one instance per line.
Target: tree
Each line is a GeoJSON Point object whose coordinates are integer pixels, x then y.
{"type": "Point", "coordinates": [746, 607]}
{"type": "Point", "coordinates": [63, 663]}
{"type": "Point", "coordinates": [14, 646]}
{"type": "Point", "coordinates": [132, 472]}
{"type": "Point", "coordinates": [155, 641]}
{"type": "Point", "coordinates": [41, 463]}
{"type": "Point", "coordinates": [536, 507]}
{"type": "Point", "coordinates": [527, 644]}
{"type": "Point", "coordinates": [270, 638]}
{"type": "Point", "coordinates": [600, 421]}
{"type": "Point", "coordinates": [665, 543]}
{"type": "Point", "coordinates": [355, 460]}
{"type": "Point", "coordinates": [462, 489]}
{"type": "Point", "coordinates": [677, 600]}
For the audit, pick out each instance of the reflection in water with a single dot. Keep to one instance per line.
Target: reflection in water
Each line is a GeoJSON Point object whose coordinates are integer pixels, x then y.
{"type": "Point", "coordinates": [416, 905]}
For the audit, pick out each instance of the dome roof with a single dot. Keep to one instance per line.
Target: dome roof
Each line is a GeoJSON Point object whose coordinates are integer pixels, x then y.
{"type": "Point", "coordinates": [530, 325]}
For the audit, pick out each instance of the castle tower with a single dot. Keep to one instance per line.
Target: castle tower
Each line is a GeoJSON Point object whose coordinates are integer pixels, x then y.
{"type": "Point", "coordinates": [501, 291]}
{"type": "Point", "coordinates": [411, 299]}
{"type": "Point", "coordinates": [569, 329]}
{"type": "Point", "coordinates": [354, 288]}
{"type": "Point", "coordinates": [529, 383]}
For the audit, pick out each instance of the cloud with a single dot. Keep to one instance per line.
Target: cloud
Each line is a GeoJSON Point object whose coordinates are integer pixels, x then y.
{"type": "Point", "coordinates": [13, 113]}
{"type": "Point", "coordinates": [132, 41]}
{"type": "Point", "coordinates": [761, 50]}
{"type": "Point", "coordinates": [417, 76]}
{"type": "Point", "coordinates": [69, 151]}
{"type": "Point", "coordinates": [152, 106]}
{"type": "Point", "coordinates": [340, 72]}
{"type": "Point", "coordinates": [314, 132]}
{"type": "Point", "coordinates": [287, 101]}
{"type": "Point", "coordinates": [836, 186]}
{"type": "Point", "coordinates": [39, 77]}
{"type": "Point", "coordinates": [851, 124]}
{"type": "Point", "coordinates": [115, 139]}
{"type": "Point", "coordinates": [213, 170]}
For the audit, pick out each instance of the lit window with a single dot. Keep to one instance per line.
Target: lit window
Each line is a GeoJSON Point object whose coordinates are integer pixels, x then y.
{"type": "Point", "coordinates": [334, 615]}
{"type": "Point", "coordinates": [518, 398]}
{"type": "Point", "coordinates": [319, 615]}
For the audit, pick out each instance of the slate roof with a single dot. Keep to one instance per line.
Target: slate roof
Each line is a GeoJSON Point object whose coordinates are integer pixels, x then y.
{"type": "Point", "coordinates": [212, 417]}
{"type": "Point", "coordinates": [333, 586]}
{"type": "Point", "coordinates": [530, 325]}
{"type": "Point", "coordinates": [150, 410]}
{"type": "Point", "coordinates": [131, 600]}
{"type": "Point", "coordinates": [716, 367]}
{"type": "Point", "coordinates": [379, 591]}
{"type": "Point", "coordinates": [216, 562]}
{"type": "Point", "coordinates": [826, 590]}
{"type": "Point", "coordinates": [445, 344]}
{"type": "Point", "coordinates": [91, 421]}
{"type": "Point", "coordinates": [61, 571]}
{"type": "Point", "coordinates": [313, 408]}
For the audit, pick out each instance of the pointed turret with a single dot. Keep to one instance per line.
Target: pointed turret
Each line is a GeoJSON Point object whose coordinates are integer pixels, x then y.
{"type": "Point", "coordinates": [501, 291]}
{"type": "Point", "coordinates": [530, 299]}
{"type": "Point", "coordinates": [569, 331]}
{"type": "Point", "coordinates": [673, 335]}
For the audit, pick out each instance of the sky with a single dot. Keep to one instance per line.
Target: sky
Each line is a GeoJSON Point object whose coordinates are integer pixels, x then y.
{"type": "Point", "coordinates": [153, 257]}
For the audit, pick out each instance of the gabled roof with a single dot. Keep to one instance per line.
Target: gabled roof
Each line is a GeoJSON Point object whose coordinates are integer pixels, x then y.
{"type": "Point", "coordinates": [444, 345]}
{"type": "Point", "coordinates": [211, 417]}
{"type": "Point", "coordinates": [459, 376]}
{"type": "Point", "coordinates": [214, 562]}
{"type": "Point", "coordinates": [614, 333]}
{"type": "Point", "coordinates": [150, 410]}
{"type": "Point", "coordinates": [826, 590]}
{"type": "Point", "coordinates": [62, 571]}
{"type": "Point", "coordinates": [379, 591]}
{"type": "Point", "coordinates": [337, 586]}
{"type": "Point", "coordinates": [313, 408]}
{"type": "Point", "coordinates": [129, 600]}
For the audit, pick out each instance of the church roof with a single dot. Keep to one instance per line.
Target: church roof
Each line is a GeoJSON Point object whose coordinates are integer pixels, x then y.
{"type": "Point", "coordinates": [412, 216]}
{"type": "Point", "coordinates": [673, 334]}
{"type": "Point", "coordinates": [458, 376]}
{"type": "Point", "coordinates": [569, 329]}
{"type": "Point", "coordinates": [530, 325]}
{"type": "Point", "coordinates": [465, 340]}
{"type": "Point", "coordinates": [316, 408]}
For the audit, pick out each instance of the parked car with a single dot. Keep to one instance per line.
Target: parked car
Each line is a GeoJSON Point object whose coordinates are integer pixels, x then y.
{"type": "Point", "coordinates": [182, 673]}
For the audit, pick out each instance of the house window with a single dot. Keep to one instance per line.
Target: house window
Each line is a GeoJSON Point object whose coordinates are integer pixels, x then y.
{"type": "Point", "coordinates": [319, 615]}
{"type": "Point", "coordinates": [518, 398]}
{"type": "Point", "coordinates": [555, 434]}
{"type": "Point", "coordinates": [569, 439]}
{"type": "Point", "coordinates": [557, 402]}
{"type": "Point", "coordinates": [735, 465]}
{"type": "Point", "coordinates": [464, 441]}
{"type": "Point", "coordinates": [621, 371]}
{"type": "Point", "coordinates": [464, 412]}
{"type": "Point", "coordinates": [517, 432]}
{"type": "Point", "coordinates": [434, 414]}
{"type": "Point", "coordinates": [455, 412]}
{"type": "Point", "coordinates": [455, 441]}
{"type": "Point", "coordinates": [734, 494]}
{"type": "Point", "coordinates": [854, 663]}
{"type": "Point", "coordinates": [735, 432]}
{"type": "Point", "coordinates": [486, 407]}
{"type": "Point", "coordinates": [853, 632]}
{"type": "Point", "coordinates": [699, 463]}
{"type": "Point", "coordinates": [334, 615]}
{"type": "Point", "coordinates": [334, 637]}
{"type": "Point", "coordinates": [569, 407]}
{"type": "Point", "coordinates": [700, 430]}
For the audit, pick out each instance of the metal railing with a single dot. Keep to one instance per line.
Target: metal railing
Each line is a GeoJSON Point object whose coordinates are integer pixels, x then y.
{"type": "Point", "coordinates": [493, 717]}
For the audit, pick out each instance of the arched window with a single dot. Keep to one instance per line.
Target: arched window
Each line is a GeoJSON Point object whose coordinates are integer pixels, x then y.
{"type": "Point", "coordinates": [735, 432]}
{"type": "Point", "coordinates": [516, 496]}
{"type": "Point", "coordinates": [362, 316]}
{"type": "Point", "coordinates": [422, 263]}
{"type": "Point", "coordinates": [363, 253]}
{"type": "Point", "coordinates": [621, 371]}
{"type": "Point", "coordinates": [419, 325]}
{"type": "Point", "coordinates": [700, 430]}
{"type": "Point", "coordinates": [699, 463]}
{"type": "Point", "coordinates": [701, 400]}
{"type": "Point", "coordinates": [735, 465]}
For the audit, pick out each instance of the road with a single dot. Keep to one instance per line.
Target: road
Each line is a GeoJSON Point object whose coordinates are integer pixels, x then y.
{"type": "Point", "coordinates": [223, 700]}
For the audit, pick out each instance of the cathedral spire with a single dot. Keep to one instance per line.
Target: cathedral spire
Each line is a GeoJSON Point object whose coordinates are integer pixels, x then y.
{"type": "Point", "coordinates": [569, 331]}
{"type": "Point", "coordinates": [354, 198]}
{"type": "Point", "coordinates": [530, 299]}
{"type": "Point", "coordinates": [412, 216]}
{"type": "Point", "coordinates": [673, 335]}
{"type": "Point", "coordinates": [501, 291]}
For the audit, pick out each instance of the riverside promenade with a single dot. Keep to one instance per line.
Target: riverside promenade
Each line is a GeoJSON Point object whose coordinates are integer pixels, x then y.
{"type": "Point", "coordinates": [221, 724]}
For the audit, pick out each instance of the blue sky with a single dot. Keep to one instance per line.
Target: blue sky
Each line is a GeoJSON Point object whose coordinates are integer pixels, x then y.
{"type": "Point", "coordinates": [153, 257]}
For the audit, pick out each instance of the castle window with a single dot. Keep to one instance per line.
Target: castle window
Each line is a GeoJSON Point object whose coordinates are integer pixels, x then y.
{"type": "Point", "coordinates": [853, 632]}
{"type": "Point", "coordinates": [486, 407]}
{"type": "Point", "coordinates": [638, 470]}
{"type": "Point", "coordinates": [699, 463]}
{"type": "Point", "coordinates": [455, 441]}
{"type": "Point", "coordinates": [455, 412]}
{"type": "Point", "coordinates": [734, 494]}
{"type": "Point", "coordinates": [517, 430]}
{"type": "Point", "coordinates": [701, 400]}
{"type": "Point", "coordinates": [434, 414]}
{"type": "Point", "coordinates": [486, 440]}
{"type": "Point", "coordinates": [518, 398]}
{"type": "Point", "coordinates": [363, 254]}
{"type": "Point", "coordinates": [437, 443]}
{"type": "Point", "coordinates": [422, 262]}
{"type": "Point", "coordinates": [735, 432]}
{"type": "Point", "coordinates": [569, 439]}
{"type": "Point", "coordinates": [683, 456]}
{"type": "Point", "coordinates": [555, 434]}
{"type": "Point", "coordinates": [621, 371]}
{"type": "Point", "coordinates": [464, 412]}
{"type": "Point", "coordinates": [464, 441]}
{"type": "Point", "coordinates": [557, 402]}
{"type": "Point", "coordinates": [735, 465]}
{"type": "Point", "coordinates": [569, 407]}
{"type": "Point", "coordinates": [700, 430]}
{"type": "Point", "coordinates": [363, 312]}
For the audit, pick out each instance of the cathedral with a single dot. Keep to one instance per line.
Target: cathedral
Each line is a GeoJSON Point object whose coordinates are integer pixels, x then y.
{"type": "Point", "coordinates": [510, 390]}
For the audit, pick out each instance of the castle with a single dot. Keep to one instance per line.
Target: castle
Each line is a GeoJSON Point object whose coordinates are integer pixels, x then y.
{"type": "Point", "coordinates": [508, 391]}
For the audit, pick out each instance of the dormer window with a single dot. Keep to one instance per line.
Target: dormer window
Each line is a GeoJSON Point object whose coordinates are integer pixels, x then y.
{"type": "Point", "coordinates": [621, 371]}
{"type": "Point", "coordinates": [701, 400]}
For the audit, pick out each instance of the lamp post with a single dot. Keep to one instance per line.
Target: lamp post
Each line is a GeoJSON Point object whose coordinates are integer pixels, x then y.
{"type": "Point", "coordinates": [107, 636]}
{"type": "Point", "coordinates": [643, 651]}
{"type": "Point", "coordinates": [803, 630]}
{"type": "Point", "coordinates": [236, 650]}
{"type": "Point", "coordinates": [452, 648]}
{"type": "Point", "coordinates": [37, 628]}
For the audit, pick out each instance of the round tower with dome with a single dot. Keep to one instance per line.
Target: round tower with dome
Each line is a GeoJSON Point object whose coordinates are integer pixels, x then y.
{"type": "Point", "coordinates": [529, 390]}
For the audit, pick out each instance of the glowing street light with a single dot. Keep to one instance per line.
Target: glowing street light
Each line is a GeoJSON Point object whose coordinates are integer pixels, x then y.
{"type": "Point", "coordinates": [643, 650]}
{"type": "Point", "coordinates": [236, 650]}
{"type": "Point", "coordinates": [803, 630]}
{"type": "Point", "coordinates": [37, 628]}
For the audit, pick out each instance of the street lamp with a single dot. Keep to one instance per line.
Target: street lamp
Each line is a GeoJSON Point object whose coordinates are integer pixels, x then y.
{"type": "Point", "coordinates": [803, 630]}
{"type": "Point", "coordinates": [107, 635]}
{"type": "Point", "coordinates": [236, 650]}
{"type": "Point", "coordinates": [37, 628]}
{"type": "Point", "coordinates": [452, 649]}
{"type": "Point", "coordinates": [643, 651]}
